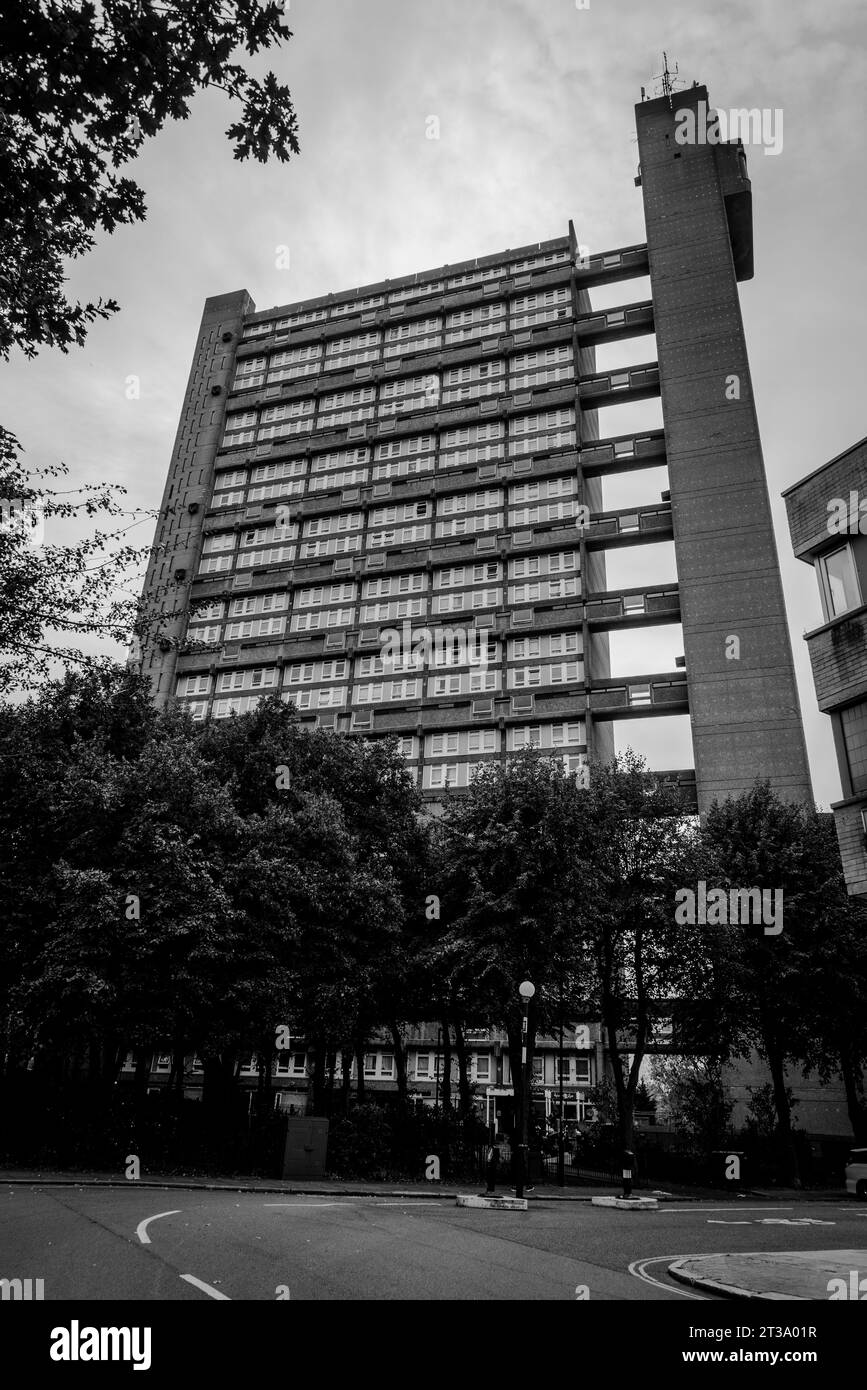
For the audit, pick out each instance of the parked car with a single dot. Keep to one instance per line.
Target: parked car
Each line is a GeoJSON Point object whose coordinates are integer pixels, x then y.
{"type": "Point", "coordinates": [856, 1172]}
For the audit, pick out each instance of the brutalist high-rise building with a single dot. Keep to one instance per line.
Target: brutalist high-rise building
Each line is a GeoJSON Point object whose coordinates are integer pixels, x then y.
{"type": "Point", "coordinates": [387, 503]}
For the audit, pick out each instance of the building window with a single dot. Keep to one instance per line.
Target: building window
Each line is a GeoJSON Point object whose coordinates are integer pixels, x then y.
{"type": "Point", "coordinates": [839, 582]}
{"type": "Point", "coordinates": [482, 1066]}
{"type": "Point", "coordinates": [291, 1064]}
{"type": "Point", "coordinates": [423, 1067]}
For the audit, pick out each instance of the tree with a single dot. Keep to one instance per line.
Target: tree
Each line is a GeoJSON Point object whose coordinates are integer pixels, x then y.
{"type": "Point", "coordinates": [644, 1098]}
{"type": "Point", "coordinates": [836, 1006]}
{"type": "Point", "coordinates": [695, 1099]}
{"type": "Point", "coordinates": [639, 846]}
{"type": "Point", "coordinates": [84, 86]}
{"type": "Point", "coordinates": [55, 595]}
{"type": "Point", "coordinates": [513, 889]}
{"type": "Point", "coordinates": [769, 998]}
{"type": "Point", "coordinates": [185, 888]}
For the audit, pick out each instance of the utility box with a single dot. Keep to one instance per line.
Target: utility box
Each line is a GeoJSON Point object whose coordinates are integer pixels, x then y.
{"type": "Point", "coordinates": [306, 1147]}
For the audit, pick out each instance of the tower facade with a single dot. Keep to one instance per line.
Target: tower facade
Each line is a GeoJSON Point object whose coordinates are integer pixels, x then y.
{"type": "Point", "coordinates": [743, 700]}
{"type": "Point", "coordinates": [387, 505]}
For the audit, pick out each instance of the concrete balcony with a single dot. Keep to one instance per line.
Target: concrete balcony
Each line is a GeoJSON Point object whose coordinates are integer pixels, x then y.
{"type": "Point", "coordinates": [640, 697]}
{"type": "Point", "coordinates": [609, 529]}
{"type": "Point", "coordinates": [685, 783]}
{"type": "Point", "coordinates": [807, 501]}
{"type": "Point", "coordinates": [623, 453]}
{"type": "Point", "coordinates": [838, 655]}
{"type": "Point", "coordinates": [609, 266]}
{"type": "Point", "coordinates": [632, 608]}
{"type": "Point", "coordinates": [611, 325]}
{"type": "Point", "coordinates": [619, 388]}
{"type": "Point", "coordinates": [853, 842]}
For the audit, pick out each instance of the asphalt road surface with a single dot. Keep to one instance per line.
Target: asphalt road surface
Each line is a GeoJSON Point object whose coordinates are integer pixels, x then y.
{"type": "Point", "coordinates": [150, 1243]}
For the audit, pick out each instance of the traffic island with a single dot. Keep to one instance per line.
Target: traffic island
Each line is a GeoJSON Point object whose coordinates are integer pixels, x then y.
{"type": "Point", "coordinates": [493, 1203]}
{"type": "Point", "coordinates": [777, 1274]}
{"type": "Point", "coordinates": [626, 1203]}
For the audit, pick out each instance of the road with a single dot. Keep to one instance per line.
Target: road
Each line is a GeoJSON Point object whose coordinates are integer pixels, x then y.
{"type": "Point", "coordinates": [165, 1244]}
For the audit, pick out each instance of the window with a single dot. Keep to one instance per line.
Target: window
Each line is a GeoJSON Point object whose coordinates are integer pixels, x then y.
{"type": "Point", "coordinates": [482, 741]}
{"type": "Point", "coordinates": [225, 541]}
{"type": "Point", "coordinates": [481, 1066]}
{"type": "Point", "coordinates": [290, 1064]}
{"type": "Point", "coordinates": [839, 582]}
{"type": "Point", "coordinates": [262, 627]}
{"type": "Point", "coordinates": [445, 743]}
{"type": "Point", "coordinates": [576, 1070]}
{"type": "Point", "coordinates": [203, 634]}
{"type": "Point", "coordinates": [194, 685]}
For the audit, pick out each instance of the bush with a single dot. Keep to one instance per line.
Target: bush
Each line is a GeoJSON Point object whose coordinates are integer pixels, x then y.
{"type": "Point", "coordinates": [380, 1144]}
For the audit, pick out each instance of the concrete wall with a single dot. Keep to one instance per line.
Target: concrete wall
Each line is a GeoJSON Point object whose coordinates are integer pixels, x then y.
{"type": "Point", "coordinates": [188, 487]}
{"type": "Point", "coordinates": [745, 714]}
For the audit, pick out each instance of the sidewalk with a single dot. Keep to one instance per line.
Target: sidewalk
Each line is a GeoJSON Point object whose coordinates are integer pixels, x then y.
{"type": "Point", "coordinates": [342, 1187]}
{"type": "Point", "coordinates": [318, 1187]}
{"type": "Point", "coordinates": [780, 1275]}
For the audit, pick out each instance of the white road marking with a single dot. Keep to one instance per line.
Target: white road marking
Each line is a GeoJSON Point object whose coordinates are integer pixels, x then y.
{"type": "Point", "coordinates": [793, 1221]}
{"type": "Point", "coordinates": [301, 1206]}
{"type": "Point", "coordinates": [775, 1221]}
{"type": "Point", "coordinates": [206, 1288]}
{"type": "Point", "coordinates": [141, 1228]}
{"type": "Point", "coordinates": [639, 1270]}
{"type": "Point", "coordinates": [699, 1210]}
{"type": "Point", "coordinates": [410, 1202]}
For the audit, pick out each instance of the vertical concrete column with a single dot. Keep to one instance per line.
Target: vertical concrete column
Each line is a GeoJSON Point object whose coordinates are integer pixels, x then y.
{"type": "Point", "coordinates": [746, 720]}
{"type": "Point", "coordinates": [178, 538]}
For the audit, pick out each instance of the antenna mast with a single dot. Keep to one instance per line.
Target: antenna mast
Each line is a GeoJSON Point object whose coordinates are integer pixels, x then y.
{"type": "Point", "coordinates": [668, 79]}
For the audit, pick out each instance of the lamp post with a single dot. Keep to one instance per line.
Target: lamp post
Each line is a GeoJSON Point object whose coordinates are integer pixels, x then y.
{"type": "Point", "coordinates": [526, 991]}
{"type": "Point", "coordinates": [561, 1138]}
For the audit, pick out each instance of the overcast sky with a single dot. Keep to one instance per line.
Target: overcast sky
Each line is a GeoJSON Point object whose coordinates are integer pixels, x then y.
{"type": "Point", "coordinates": [535, 102]}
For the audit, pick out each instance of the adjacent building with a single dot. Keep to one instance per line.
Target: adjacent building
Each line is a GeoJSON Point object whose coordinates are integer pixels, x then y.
{"type": "Point", "coordinates": [828, 523]}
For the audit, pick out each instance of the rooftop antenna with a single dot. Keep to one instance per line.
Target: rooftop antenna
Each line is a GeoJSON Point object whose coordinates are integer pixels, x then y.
{"type": "Point", "coordinates": [668, 79]}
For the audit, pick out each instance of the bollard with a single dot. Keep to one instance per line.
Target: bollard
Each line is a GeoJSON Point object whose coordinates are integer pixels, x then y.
{"type": "Point", "coordinates": [493, 1164]}
{"type": "Point", "coordinates": [628, 1168]}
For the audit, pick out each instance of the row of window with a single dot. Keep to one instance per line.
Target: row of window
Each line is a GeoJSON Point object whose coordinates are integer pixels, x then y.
{"type": "Point", "coordinates": [528, 433]}
{"type": "Point", "coordinates": [407, 457]}
{"type": "Point", "coordinates": [367, 304]}
{"type": "Point", "coordinates": [557, 563]}
{"type": "Point", "coordinates": [342, 533]}
{"type": "Point", "coordinates": [544, 366]}
{"type": "Point", "coordinates": [468, 682]}
{"type": "Point", "coordinates": [396, 610]}
{"type": "Point", "coordinates": [380, 1066]}
{"type": "Point", "coordinates": [525, 499]}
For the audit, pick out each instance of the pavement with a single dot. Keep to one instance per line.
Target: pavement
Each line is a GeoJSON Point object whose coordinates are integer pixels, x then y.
{"type": "Point", "coordinates": [783, 1275]}
{"type": "Point", "coordinates": [341, 1187]}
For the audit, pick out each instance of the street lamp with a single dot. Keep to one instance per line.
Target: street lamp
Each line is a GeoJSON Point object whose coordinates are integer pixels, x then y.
{"type": "Point", "coordinates": [561, 1138]}
{"type": "Point", "coordinates": [526, 991]}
